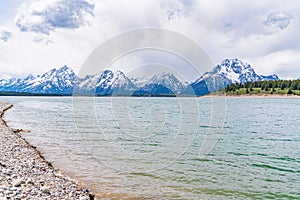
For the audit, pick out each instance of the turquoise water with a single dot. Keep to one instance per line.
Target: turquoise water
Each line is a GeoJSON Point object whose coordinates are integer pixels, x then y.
{"type": "Point", "coordinates": [151, 147]}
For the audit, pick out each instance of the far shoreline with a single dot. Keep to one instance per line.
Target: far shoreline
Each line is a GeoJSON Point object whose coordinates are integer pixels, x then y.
{"type": "Point", "coordinates": [216, 95]}
{"type": "Point", "coordinates": [284, 96]}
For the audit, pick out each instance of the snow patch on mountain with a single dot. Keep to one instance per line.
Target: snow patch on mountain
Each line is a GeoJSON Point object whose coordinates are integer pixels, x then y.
{"type": "Point", "coordinates": [139, 81]}
{"type": "Point", "coordinates": [106, 83]}
{"type": "Point", "coordinates": [168, 80]}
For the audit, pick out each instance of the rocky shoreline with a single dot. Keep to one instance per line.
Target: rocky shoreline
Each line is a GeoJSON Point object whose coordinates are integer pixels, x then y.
{"type": "Point", "coordinates": [25, 174]}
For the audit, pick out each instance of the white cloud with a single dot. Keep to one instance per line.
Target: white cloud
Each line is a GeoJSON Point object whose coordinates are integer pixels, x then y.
{"type": "Point", "coordinates": [42, 39]}
{"type": "Point", "coordinates": [251, 29]}
{"type": "Point", "coordinates": [5, 34]}
{"type": "Point", "coordinates": [278, 19]}
{"type": "Point", "coordinates": [45, 16]}
{"type": "Point", "coordinates": [285, 62]}
{"type": "Point", "coordinates": [173, 8]}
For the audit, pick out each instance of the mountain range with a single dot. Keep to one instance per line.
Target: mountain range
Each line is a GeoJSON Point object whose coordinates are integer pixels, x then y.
{"type": "Point", "coordinates": [64, 81]}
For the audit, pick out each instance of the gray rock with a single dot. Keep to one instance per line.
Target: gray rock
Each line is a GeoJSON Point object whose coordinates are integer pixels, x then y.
{"type": "Point", "coordinates": [7, 172]}
{"type": "Point", "coordinates": [45, 189]}
{"type": "Point", "coordinates": [84, 198]}
{"type": "Point", "coordinates": [2, 164]}
{"type": "Point", "coordinates": [59, 175]}
{"type": "Point", "coordinates": [13, 189]}
{"type": "Point", "coordinates": [14, 176]}
{"type": "Point", "coordinates": [29, 181]}
{"type": "Point", "coordinates": [18, 182]}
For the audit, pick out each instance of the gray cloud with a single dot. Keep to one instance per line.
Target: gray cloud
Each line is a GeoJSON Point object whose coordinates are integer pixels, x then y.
{"type": "Point", "coordinates": [173, 8]}
{"type": "Point", "coordinates": [4, 34]}
{"type": "Point", "coordinates": [257, 31]}
{"type": "Point", "coordinates": [278, 19]}
{"type": "Point", "coordinates": [44, 40]}
{"type": "Point", "coordinates": [46, 16]}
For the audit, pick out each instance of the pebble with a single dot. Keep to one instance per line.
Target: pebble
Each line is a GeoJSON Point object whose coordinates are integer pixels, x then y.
{"type": "Point", "coordinates": [29, 181]}
{"type": "Point", "coordinates": [25, 174]}
{"type": "Point", "coordinates": [84, 198]}
{"type": "Point", "coordinates": [2, 164]}
{"type": "Point", "coordinates": [59, 175]}
{"type": "Point", "coordinates": [45, 189]}
{"type": "Point", "coordinates": [18, 182]}
{"type": "Point", "coordinates": [85, 190]}
{"type": "Point", "coordinates": [7, 172]}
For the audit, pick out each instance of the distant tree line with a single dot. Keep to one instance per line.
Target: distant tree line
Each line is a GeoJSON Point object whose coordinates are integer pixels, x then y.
{"type": "Point", "coordinates": [270, 87]}
{"type": "Point", "coordinates": [29, 94]}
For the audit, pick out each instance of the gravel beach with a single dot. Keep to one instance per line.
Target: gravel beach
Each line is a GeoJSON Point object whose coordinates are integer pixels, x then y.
{"type": "Point", "coordinates": [25, 174]}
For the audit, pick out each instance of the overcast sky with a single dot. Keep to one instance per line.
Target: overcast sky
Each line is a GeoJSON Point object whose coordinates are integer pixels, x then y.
{"type": "Point", "coordinates": [38, 35]}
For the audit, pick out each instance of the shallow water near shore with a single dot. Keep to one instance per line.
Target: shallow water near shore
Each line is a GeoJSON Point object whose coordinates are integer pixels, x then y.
{"type": "Point", "coordinates": [149, 147]}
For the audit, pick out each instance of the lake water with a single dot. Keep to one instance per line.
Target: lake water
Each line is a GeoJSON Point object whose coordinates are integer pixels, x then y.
{"type": "Point", "coordinates": [169, 148]}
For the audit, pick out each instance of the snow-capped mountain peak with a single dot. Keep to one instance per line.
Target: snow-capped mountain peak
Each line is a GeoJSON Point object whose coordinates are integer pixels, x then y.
{"type": "Point", "coordinates": [168, 80]}
{"type": "Point", "coordinates": [55, 81]}
{"type": "Point", "coordinates": [232, 71]}
{"type": "Point", "coordinates": [106, 83]}
{"type": "Point", "coordinates": [109, 78]}
{"type": "Point", "coordinates": [234, 68]}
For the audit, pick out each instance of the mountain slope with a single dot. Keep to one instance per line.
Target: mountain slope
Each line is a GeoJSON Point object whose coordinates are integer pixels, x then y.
{"type": "Point", "coordinates": [107, 83]}
{"type": "Point", "coordinates": [139, 81]}
{"type": "Point", "coordinates": [10, 84]}
{"type": "Point", "coordinates": [169, 81]}
{"type": "Point", "coordinates": [198, 87]}
{"type": "Point", "coordinates": [164, 83]}
{"type": "Point", "coordinates": [55, 81]}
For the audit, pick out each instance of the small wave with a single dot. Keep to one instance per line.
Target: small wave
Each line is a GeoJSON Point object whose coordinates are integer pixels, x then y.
{"type": "Point", "coordinates": [275, 168]}
{"type": "Point", "coordinates": [202, 160]}
{"type": "Point", "coordinates": [272, 181]}
{"type": "Point", "coordinates": [238, 154]}
{"type": "Point", "coordinates": [262, 154]}
{"type": "Point", "coordinates": [286, 159]}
